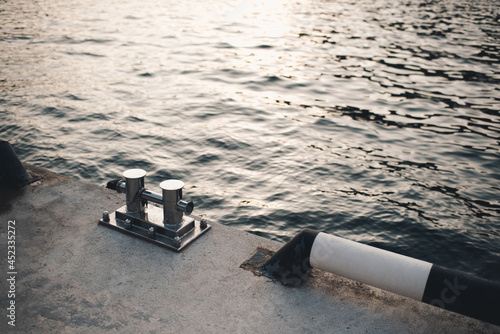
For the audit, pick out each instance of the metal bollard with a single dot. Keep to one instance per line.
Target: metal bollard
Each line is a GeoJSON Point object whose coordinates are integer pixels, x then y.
{"type": "Point", "coordinates": [134, 180]}
{"type": "Point", "coordinates": [173, 205]}
{"type": "Point", "coordinates": [164, 226]}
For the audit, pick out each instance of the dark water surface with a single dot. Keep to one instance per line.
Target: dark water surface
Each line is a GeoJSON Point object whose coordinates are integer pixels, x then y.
{"type": "Point", "coordinates": [378, 121]}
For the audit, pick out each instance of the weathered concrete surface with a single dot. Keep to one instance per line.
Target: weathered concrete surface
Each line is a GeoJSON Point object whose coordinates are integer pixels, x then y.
{"type": "Point", "coordinates": [75, 276]}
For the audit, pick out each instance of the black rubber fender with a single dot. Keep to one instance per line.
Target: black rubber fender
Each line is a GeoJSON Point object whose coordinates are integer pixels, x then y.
{"type": "Point", "coordinates": [12, 172]}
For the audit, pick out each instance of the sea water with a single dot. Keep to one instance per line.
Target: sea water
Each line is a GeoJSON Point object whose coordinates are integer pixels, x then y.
{"type": "Point", "coordinates": [377, 121]}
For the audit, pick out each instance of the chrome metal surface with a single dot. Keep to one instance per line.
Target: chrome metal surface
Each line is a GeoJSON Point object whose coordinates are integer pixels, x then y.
{"type": "Point", "coordinates": [152, 197]}
{"type": "Point", "coordinates": [185, 206]}
{"type": "Point", "coordinates": [172, 194]}
{"type": "Point", "coordinates": [166, 226]}
{"type": "Point", "coordinates": [139, 227]}
{"type": "Point", "coordinates": [127, 224]}
{"type": "Point", "coordinates": [121, 187]}
{"type": "Point", "coordinates": [134, 179]}
{"type": "Point", "coordinates": [146, 195]}
{"type": "Point", "coordinates": [203, 222]}
{"type": "Point", "coordinates": [177, 241]}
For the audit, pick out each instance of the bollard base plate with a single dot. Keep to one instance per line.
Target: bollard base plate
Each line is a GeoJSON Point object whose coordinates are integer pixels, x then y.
{"type": "Point", "coordinates": [172, 237]}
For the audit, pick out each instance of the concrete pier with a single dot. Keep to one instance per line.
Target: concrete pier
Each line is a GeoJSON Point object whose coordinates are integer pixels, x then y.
{"type": "Point", "coordinates": [75, 276]}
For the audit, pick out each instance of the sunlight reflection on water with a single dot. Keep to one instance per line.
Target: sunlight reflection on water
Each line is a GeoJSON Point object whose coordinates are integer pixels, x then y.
{"type": "Point", "coordinates": [374, 120]}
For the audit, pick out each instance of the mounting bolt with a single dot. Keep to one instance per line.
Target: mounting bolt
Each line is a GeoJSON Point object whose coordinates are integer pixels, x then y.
{"type": "Point", "coordinates": [151, 232]}
{"type": "Point", "coordinates": [203, 223]}
{"type": "Point", "coordinates": [105, 216]}
{"type": "Point", "coordinates": [128, 224]}
{"type": "Point", "coordinates": [177, 241]}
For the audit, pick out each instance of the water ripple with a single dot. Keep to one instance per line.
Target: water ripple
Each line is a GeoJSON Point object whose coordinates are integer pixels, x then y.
{"type": "Point", "coordinates": [375, 120]}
